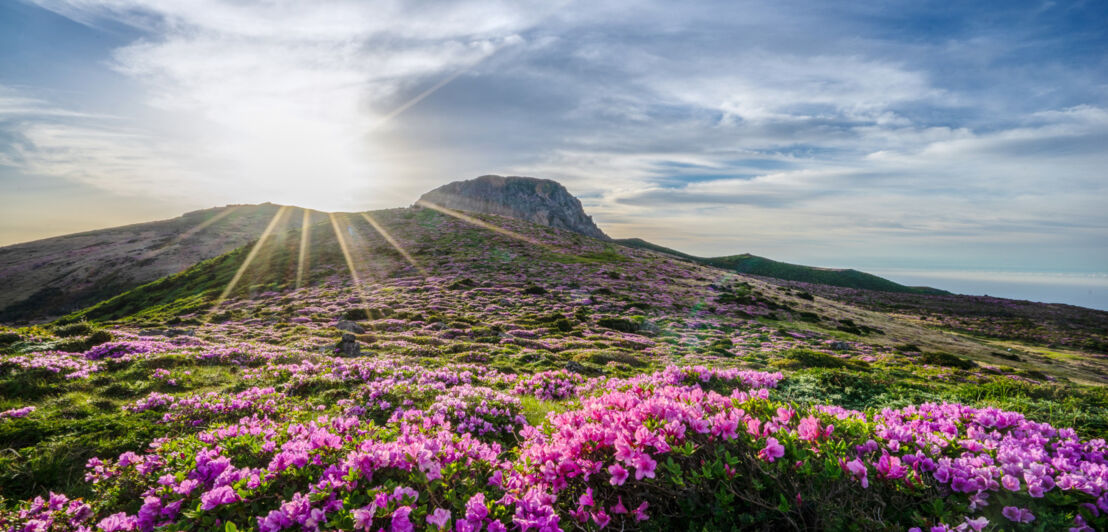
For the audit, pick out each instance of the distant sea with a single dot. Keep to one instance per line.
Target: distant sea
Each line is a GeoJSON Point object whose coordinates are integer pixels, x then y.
{"type": "Point", "coordinates": [1081, 289]}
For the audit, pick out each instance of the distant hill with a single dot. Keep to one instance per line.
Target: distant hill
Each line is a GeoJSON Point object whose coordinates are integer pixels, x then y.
{"type": "Point", "coordinates": [540, 201]}
{"type": "Point", "coordinates": [48, 278]}
{"type": "Point", "coordinates": [195, 289]}
{"type": "Point", "coordinates": [55, 276]}
{"type": "Point", "coordinates": [755, 265]}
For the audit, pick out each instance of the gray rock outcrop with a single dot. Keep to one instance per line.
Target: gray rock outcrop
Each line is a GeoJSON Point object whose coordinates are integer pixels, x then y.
{"type": "Point", "coordinates": [540, 201]}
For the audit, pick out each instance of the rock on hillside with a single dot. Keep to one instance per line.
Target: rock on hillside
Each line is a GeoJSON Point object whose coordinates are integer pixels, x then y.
{"type": "Point", "coordinates": [540, 201]}
{"type": "Point", "coordinates": [55, 276]}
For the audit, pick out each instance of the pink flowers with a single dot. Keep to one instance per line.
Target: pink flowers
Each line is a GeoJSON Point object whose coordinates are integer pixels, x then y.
{"type": "Point", "coordinates": [118, 522]}
{"type": "Point", "coordinates": [17, 412]}
{"type": "Point", "coordinates": [406, 435]}
{"type": "Point", "coordinates": [1018, 515]}
{"type": "Point", "coordinates": [550, 385]}
{"type": "Point", "coordinates": [858, 469]}
{"type": "Point", "coordinates": [809, 430]}
{"type": "Point", "coordinates": [619, 474]}
{"type": "Point", "coordinates": [644, 466]}
{"type": "Point", "coordinates": [439, 518]}
{"type": "Point", "coordinates": [217, 497]}
{"type": "Point", "coordinates": [772, 451]}
{"type": "Point", "coordinates": [889, 467]}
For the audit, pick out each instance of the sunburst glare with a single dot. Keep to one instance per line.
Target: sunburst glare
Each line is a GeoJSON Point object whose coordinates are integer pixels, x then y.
{"type": "Point", "coordinates": [277, 217]}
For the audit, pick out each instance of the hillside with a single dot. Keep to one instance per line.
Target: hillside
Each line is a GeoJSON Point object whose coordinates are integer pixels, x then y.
{"type": "Point", "coordinates": [408, 367]}
{"type": "Point", "coordinates": [755, 265]}
{"type": "Point", "coordinates": [55, 276]}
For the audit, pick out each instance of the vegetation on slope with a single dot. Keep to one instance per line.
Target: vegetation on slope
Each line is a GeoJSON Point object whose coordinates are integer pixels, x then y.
{"type": "Point", "coordinates": [707, 399]}
{"type": "Point", "coordinates": [755, 265]}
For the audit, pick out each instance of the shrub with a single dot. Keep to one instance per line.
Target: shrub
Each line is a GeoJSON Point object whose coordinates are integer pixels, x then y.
{"type": "Point", "coordinates": [807, 358]}
{"type": "Point", "coordinates": [99, 337]}
{"type": "Point", "coordinates": [628, 325]}
{"type": "Point", "coordinates": [80, 328]}
{"type": "Point", "coordinates": [947, 360]}
{"type": "Point", "coordinates": [9, 338]}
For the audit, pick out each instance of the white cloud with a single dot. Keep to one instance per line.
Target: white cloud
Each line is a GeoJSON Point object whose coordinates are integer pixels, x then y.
{"type": "Point", "coordinates": [281, 101]}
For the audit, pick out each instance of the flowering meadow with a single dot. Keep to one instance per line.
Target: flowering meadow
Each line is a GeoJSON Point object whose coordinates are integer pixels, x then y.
{"type": "Point", "coordinates": [557, 383]}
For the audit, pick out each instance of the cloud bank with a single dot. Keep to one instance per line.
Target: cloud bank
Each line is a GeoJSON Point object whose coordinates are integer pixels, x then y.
{"type": "Point", "coordinates": [893, 134]}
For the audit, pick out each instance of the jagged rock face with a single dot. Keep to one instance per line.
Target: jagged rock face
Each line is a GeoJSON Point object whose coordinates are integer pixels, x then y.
{"type": "Point", "coordinates": [540, 201]}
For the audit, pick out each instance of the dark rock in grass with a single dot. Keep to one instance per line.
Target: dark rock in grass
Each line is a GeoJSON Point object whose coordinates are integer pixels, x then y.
{"type": "Point", "coordinates": [348, 346]}
{"type": "Point", "coordinates": [534, 290]}
{"type": "Point", "coordinates": [620, 324]}
{"type": "Point", "coordinates": [947, 359]}
{"type": "Point", "coordinates": [355, 314]}
{"type": "Point", "coordinates": [574, 366]}
{"type": "Point", "coordinates": [349, 326]}
{"type": "Point", "coordinates": [840, 346]}
{"type": "Point", "coordinates": [462, 284]}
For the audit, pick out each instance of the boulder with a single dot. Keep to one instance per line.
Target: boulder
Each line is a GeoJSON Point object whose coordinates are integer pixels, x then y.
{"type": "Point", "coordinates": [349, 326]}
{"type": "Point", "coordinates": [348, 346]}
{"type": "Point", "coordinates": [539, 201]}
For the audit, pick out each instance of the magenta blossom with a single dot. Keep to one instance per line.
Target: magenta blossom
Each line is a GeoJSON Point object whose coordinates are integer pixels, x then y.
{"type": "Point", "coordinates": [1018, 515]}
{"type": "Point", "coordinates": [218, 497]}
{"type": "Point", "coordinates": [619, 474]}
{"type": "Point", "coordinates": [772, 451]}
{"type": "Point", "coordinates": [440, 517]}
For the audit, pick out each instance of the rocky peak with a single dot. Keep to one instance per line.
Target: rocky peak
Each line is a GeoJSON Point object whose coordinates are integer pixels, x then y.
{"type": "Point", "coordinates": [540, 201]}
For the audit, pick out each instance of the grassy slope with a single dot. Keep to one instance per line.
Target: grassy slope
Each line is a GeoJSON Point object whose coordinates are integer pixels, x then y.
{"type": "Point", "coordinates": [473, 271]}
{"type": "Point", "coordinates": [755, 265]}
{"type": "Point", "coordinates": [56, 276]}
{"type": "Point", "coordinates": [197, 288]}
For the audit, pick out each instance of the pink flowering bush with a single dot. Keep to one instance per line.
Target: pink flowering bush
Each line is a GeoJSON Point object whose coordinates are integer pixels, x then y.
{"type": "Point", "coordinates": [410, 448]}
{"type": "Point", "coordinates": [480, 411]}
{"type": "Point", "coordinates": [662, 456]}
{"type": "Point", "coordinates": [550, 385]}
{"type": "Point", "coordinates": [206, 408]}
{"type": "Point", "coordinates": [326, 473]}
{"type": "Point", "coordinates": [17, 412]}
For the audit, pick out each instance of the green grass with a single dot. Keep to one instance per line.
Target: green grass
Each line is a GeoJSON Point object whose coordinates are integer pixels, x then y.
{"type": "Point", "coordinates": [536, 410]}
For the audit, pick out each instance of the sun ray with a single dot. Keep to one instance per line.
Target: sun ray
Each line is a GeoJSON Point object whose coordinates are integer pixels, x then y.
{"type": "Point", "coordinates": [419, 97]}
{"type": "Point", "coordinates": [200, 227]}
{"type": "Point", "coordinates": [483, 224]}
{"type": "Point", "coordinates": [250, 257]}
{"type": "Point", "coordinates": [359, 289]}
{"type": "Point", "coordinates": [392, 241]}
{"type": "Point", "coordinates": [305, 243]}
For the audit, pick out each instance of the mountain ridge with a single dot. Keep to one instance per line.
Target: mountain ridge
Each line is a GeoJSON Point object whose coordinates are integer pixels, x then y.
{"type": "Point", "coordinates": [761, 266]}
{"type": "Point", "coordinates": [50, 277]}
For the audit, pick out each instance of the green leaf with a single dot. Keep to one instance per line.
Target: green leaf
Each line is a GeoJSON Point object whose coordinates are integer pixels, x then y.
{"type": "Point", "coordinates": [230, 527]}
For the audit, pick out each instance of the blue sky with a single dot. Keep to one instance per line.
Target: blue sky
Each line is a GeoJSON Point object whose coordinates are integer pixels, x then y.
{"type": "Point", "coordinates": [935, 135]}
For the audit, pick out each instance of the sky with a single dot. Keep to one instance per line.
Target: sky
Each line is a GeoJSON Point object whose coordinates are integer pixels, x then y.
{"type": "Point", "coordinates": [882, 135]}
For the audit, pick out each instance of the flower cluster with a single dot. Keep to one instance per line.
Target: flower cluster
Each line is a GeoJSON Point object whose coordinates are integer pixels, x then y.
{"type": "Point", "coordinates": [17, 412]}
{"type": "Point", "coordinates": [550, 385]}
